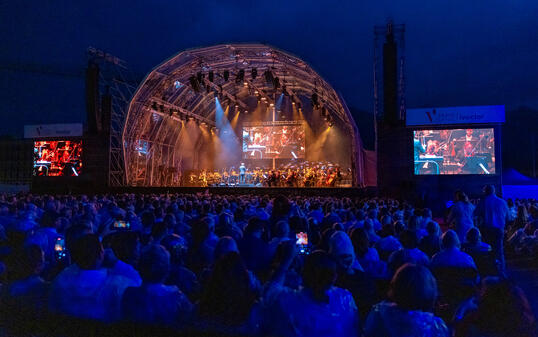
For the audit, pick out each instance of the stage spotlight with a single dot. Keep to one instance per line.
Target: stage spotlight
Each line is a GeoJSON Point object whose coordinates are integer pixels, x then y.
{"type": "Point", "coordinates": [254, 73]}
{"type": "Point", "coordinates": [226, 75]}
{"type": "Point", "coordinates": [268, 76]}
{"type": "Point", "coordinates": [240, 76]}
{"type": "Point", "coordinates": [246, 111]}
{"type": "Point", "coordinates": [211, 76]}
{"type": "Point", "coordinates": [194, 83]}
{"type": "Point", "coordinates": [255, 92]}
{"type": "Point", "coordinates": [314, 99]}
{"type": "Point", "coordinates": [276, 83]}
{"type": "Point", "coordinates": [292, 103]}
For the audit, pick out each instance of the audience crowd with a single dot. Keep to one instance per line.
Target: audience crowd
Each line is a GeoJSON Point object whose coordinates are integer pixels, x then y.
{"type": "Point", "coordinates": [242, 265]}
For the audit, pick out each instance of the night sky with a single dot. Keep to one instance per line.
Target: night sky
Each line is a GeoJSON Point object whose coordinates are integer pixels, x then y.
{"type": "Point", "coordinates": [457, 52]}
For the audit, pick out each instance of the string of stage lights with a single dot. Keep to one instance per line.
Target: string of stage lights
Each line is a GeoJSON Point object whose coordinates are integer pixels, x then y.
{"type": "Point", "coordinates": [205, 81]}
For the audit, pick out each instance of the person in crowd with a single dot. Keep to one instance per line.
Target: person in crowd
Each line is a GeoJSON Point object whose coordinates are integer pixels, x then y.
{"type": "Point", "coordinates": [369, 228]}
{"type": "Point", "coordinates": [350, 274]}
{"type": "Point", "coordinates": [204, 241]}
{"type": "Point", "coordinates": [85, 289]}
{"type": "Point", "coordinates": [409, 253]}
{"type": "Point", "coordinates": [47, 235]}
{"type": "Point", "coordinates": [473, 243]}
{"type": "Point", "coordinates": [389, 243]}
{"type": "Point", "coordinates": [493, 213]}
{"type": "Point", "coordinates": [367, 256]}
{"type": "Point", "coordinates": [253, 248]}
{"type": "Point", "coordinates": [431, 243]}
{"type": "Point", "coordinates": [316, 309]}
{"type": "Point", "coordinates": [125, 246]}
{"type": "Point", "coordinates": [154, 302]}
{"type": "Point", "coordinates": [451, 255]}
{"type": "Point", "coordinates": [30, 291]}
{"type": "Point", "coordinates": [460, 216]}
{"type": "Point", "coordinates": [179, 275]}
{"type": "Point", "coordinates": [228, 302]}
{"type": "Point", "coordinates": [281, 232]}
{"type": "Point", "coordinates": [500, 310]}
{"type": "Point", "coordinates": [412, 296]}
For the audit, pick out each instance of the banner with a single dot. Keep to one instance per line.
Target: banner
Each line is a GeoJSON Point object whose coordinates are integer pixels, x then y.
{"type": "Point", "coordinates": [455, 115]}
{"type": "Point", "coordinates": [53, 130]}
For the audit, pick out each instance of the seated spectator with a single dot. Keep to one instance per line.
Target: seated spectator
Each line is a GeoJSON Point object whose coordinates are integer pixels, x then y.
{"type": "Point", "coordinates": [451, 255]}
{"type": "Point", "coordinates": [500, 310]}
{"type": "Point", "coordinates": [431, 243]}
{"type": "Point", "coordinates": [253, 248]}
{"type": "Point", "coordinates": [31, 290]}
{"type": "Point", "coordinates": [413, 292]}
{"type": "Point", "coordinates": [473, 243]}
{"type": "Point", "coordinates": [227, 303]}
{"type": "Point", "coordinates": [367, 256]}
{"type": "Point", "coordinates": [317, 309]}
{"type": "Point", "coordinates": [153, 302]}
{"type": "Point", "coordinates": [281, 232]}
{"type": "Point", "coordinates": [350, 275]}
{"type": "Point", "coordinates": [46, 236]}
{"type": "Point", "coordinates": [86, 290]}
{"type": "Point", "coordinates": [369, 228]}
{"type": "Point", "coordinates": [409, 253]}
{"type": "Point", "coordinates": [179, 274]}
{"type": "Point", "coordinates": [227, 227]}
{"type": "Point", "coordinates": [388, 243]}
{"type": "Point", "coordinates": [203, 245]}
{"type": "Point", "coordinates": [126, 251]}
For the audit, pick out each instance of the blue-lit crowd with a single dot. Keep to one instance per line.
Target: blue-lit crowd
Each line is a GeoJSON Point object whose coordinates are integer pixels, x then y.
{"type": "Point", "coordinates": [254, 265]}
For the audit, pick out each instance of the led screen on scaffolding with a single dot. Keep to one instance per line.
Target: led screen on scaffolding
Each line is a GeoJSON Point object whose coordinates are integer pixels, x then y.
{"type": "Point", "coordinates": [57, 158]}
{"type": "Point", "coordinates": [454, 151]}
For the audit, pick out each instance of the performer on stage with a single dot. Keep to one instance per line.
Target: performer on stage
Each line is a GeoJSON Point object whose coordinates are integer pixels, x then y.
{"type": "Point", "coordinates": [242, 172]}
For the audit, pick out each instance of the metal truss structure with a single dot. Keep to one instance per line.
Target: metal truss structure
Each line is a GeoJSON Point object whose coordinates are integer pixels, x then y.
{"type": "Point", "coordinates": [397, 32]}
{"type": "Point", "coordinates": [185, 86]}
{"type": "Point", "coordinates": [118, 82]}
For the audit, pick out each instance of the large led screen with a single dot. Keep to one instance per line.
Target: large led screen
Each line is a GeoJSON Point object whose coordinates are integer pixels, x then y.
{"type": "Point", "coordinates": [454, 151]}
{"type": "Point", "coordinates": [275, 141]}
{"type": "Point", "coordinates": [57, 158]}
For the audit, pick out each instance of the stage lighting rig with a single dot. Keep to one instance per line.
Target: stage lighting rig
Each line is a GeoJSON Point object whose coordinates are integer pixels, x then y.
{"type": "Point", "coordinates": [194, 83]}
{"type": "Point", "coordinates": [314, 99]}
{"type": "Point", "coordinates": [268, 76]}
{"type": "Point", "coordinates": [276, 83]}
{"type": "Point", "coordinates": [240, 76]}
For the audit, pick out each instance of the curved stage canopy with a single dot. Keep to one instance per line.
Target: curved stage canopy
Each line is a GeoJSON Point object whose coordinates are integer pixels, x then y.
{"type": "Point", "coordinates": [174, 121]}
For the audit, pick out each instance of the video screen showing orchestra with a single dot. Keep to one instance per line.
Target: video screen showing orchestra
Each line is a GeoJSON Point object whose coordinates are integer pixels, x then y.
{"type": "Point", "coordinates": [454, 151]}
{"type": "Point", "coordinates": [275, 141]}
{"type": "Point", "coordinates": [57, 158]}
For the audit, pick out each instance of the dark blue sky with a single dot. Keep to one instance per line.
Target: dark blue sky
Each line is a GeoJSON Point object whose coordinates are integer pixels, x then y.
{"type": "Point", "coordinates": [458, 52]}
